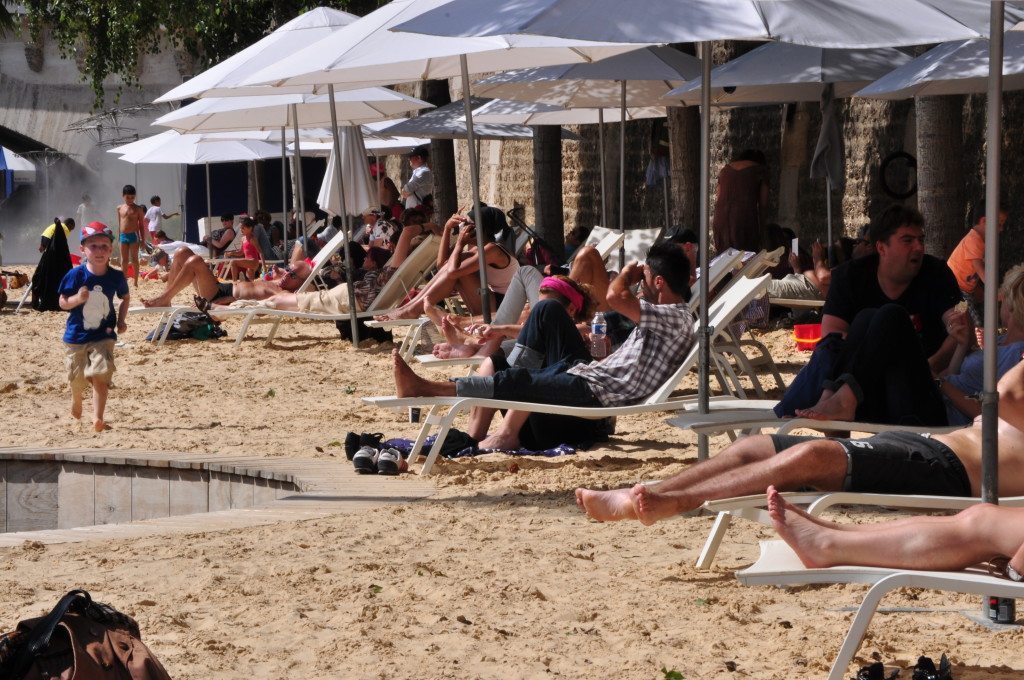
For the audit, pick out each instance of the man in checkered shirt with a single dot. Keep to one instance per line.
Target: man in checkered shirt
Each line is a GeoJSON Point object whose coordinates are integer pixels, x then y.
{"type": "Point", "coordinates": [653, 351]}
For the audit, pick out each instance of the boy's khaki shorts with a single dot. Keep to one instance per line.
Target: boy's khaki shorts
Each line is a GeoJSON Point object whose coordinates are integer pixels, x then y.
{"type": "Point", "coordinates": [91, 360]}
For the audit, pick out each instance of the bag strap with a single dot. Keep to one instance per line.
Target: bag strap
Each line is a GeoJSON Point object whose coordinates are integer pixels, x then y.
{"type": "Point", "coordinates": [39, 638]}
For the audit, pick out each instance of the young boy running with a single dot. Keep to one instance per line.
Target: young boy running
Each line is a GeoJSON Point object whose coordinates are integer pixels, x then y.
{"type": "Point", "coordinates": [87, 292]}
{"type": "Point", "coordinates": [130, 216]}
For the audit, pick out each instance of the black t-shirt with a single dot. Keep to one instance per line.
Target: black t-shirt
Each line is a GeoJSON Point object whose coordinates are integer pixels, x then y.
{"type": "Point", "coordinates": [933, 291]}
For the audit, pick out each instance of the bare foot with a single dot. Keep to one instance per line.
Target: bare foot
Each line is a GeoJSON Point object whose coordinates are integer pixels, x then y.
{"type": "Point", "coordinates": [76, 405]}
{"type": "Point", "coordinates": [451, 332]}
{"type": "Point", "coordinates": [446, 350]}
{"type": "Point", "coordinates": [156, 302]}
{"type": "Point", "coordinates": [99, 426]}
{"type": "Point", "coordinates": [500, 441]}
{"type": "Point", "coordinates": [840, 406]}
{"type": "Point", "coordinates": [652, 506]}
{"type": "Point", "coordinates": [607, 506]}
{"type": "Point", "coordinates": [396, 314]}
{"type": "Point", "coordinates": [408, 384]}
{"type": "Point", "coordinates": [807, 539]}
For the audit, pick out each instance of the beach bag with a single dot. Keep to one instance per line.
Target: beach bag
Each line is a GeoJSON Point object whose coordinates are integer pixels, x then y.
{"type": "Point", "coordinates": [78, 640]}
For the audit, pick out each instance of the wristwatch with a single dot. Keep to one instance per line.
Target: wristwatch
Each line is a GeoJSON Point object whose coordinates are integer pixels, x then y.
{"type": "Point", "coordinates": [1013, 574]}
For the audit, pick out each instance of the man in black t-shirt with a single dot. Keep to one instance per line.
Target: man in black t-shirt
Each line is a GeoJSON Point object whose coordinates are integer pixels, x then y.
{"type": "Point", "coordinates": [899, 273]}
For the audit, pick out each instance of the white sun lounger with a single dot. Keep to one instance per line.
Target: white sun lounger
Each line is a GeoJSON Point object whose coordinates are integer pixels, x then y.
{"type": "Point", "coordinates": [779, 565]}
{"type": "Point", "coordinates": [721, 313]}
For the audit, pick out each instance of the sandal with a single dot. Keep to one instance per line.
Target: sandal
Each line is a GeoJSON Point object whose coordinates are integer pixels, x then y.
{"type": "Point", "coordinates": [202, 304]}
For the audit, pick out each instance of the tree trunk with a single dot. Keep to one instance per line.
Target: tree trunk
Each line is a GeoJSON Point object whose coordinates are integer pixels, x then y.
{"type": "Point", "coordinates": [684, 138]}
{"type": "Point", "coordinates": [442, 157]}
{"type": "Point", "coordinates": [547, 185]}
{"type": "Point", "coordinates": [793, 166]}
{"type": "Point", "coordinates": [940, 171]}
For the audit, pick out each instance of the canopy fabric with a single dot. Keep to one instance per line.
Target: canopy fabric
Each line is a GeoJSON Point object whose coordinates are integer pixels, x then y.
{"type": "Point", "coordinates": [959, 67]}
{"type": "Point", "coordinates": [173, 147]}
{"type": "Point", "coordinates": [533, 113]}
{"type": "Point", "coordinates": [648, 73]}
{"type": "Point", "coordinates": [824, 23]}
{"type": "Point", "coordinates": [21, 170]}
{"type": "Point", "coordinates": [367, 53]}
{"type": "Point", "coordinates": [272, 112]}
{"type": "Point", "coordinates": [783, 72]}
{"type": "Point", "coordinates": [448, 122]}
{"type": "Point", "coordinates": [223, 80]}
{"type": "Point", "coordinates": [361, 193]}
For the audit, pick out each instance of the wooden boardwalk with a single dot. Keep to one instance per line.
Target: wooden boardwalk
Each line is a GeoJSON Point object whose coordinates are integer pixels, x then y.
{"type": "Point", "coordinates": [325, 487]}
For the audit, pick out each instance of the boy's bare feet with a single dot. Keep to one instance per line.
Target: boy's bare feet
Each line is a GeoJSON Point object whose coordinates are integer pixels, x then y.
{"type": "Point", "coordinates": [807, 539]}
{"type": "Point", "coordinates": [607, 506]}
{"type": "Point", "coordinates": [76, 405]}
{"type": "Point", "coordinates": [99, 426]}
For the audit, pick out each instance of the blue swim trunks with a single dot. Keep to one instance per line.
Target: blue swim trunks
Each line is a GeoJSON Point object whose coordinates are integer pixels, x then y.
{"type": "Point", "coordinates": [132, 237]}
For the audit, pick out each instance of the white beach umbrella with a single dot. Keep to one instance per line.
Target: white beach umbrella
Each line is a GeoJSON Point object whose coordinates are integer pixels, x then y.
{"type": "Point", "coordinates": [535, 113]}
{"type": "Point", "coordinates": [273, 112]}
{"type": "Point", "coordinates": [359, 190]}
{"type": "Point", "coordinates": [449, 122]}
{"type": "Point", "coordinates": [825, 23]}
{"type": "Point", "coordinates": [192, 149]}
{"type": "Point", "coordinates": [224, 79]}
{"type": "Point", "coordinates": [638, 78]}
{"type": "Point", "coordinates": [367, 52]}
{"type": "Point", "coordinates": [958, 67]}
{"type": "Point", "coordinates": [783, 72]}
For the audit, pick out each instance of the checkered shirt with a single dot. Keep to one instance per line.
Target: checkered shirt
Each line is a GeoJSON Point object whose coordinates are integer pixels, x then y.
{"type": "Point", "coordinates": [651, 353]}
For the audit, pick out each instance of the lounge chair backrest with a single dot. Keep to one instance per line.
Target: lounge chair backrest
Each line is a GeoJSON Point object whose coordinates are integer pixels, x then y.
{"type": "Point", "coordinates": [638, 241]}
{"type": "Point", "coordinates": [322, 257]}
{"type": "Point", "coordinates": [407, 275]}
{"type": "Point", "coordinates": [723, 309]}
{"type": "Point", "coordinates": [719, 267]}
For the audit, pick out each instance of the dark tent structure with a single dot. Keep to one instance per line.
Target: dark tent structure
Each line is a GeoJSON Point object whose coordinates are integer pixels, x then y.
{"type": "Point", "coordinates": [53, 265]}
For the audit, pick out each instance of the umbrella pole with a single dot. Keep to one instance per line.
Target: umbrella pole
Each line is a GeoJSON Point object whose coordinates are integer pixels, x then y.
{"type": "Point", "coordinates": [703, 332]}
{"type": "Point", "coordinates": [990, 396]}
{"type": "Point", "coordinates": [828, 207]}
{"type": "Point", "coordinates": [474, 174]}
{"type": "Point", "coordinates": [622, 176]}
{"type": "Point", "coordinates": [668, 217]}
{"type": "Point", "coordinates": [604, 189]}
{"type": "Point", "coordinates": [209, 200]}
{"type": "Point", "coordinates": [353, 310]}
{"type": "Point", "coordinates": [181, 200]}
{"type": "Point", "coordinates": [300, 222]}
{"type": "Point", "coordinates": [284, 195]}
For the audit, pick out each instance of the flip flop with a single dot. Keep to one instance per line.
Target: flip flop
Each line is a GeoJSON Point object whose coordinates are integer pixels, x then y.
{"type": "Point", "coordinates": [202, 304]}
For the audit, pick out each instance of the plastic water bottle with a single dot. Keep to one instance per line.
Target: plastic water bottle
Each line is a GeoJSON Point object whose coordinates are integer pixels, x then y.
{"type": "Point", "coordinates": [599, 336]}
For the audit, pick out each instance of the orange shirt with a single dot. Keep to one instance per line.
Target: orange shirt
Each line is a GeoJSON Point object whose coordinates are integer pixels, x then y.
{"type": "Point", "coordinates": [961, 261]}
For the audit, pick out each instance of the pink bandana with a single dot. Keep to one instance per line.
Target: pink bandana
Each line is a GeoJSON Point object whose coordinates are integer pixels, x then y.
{"type": "Point", "coordinates": [565, 289]}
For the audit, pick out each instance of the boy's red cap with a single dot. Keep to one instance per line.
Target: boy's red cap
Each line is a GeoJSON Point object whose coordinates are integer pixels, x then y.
{"type": "Point", "coordinates": [96, 229]}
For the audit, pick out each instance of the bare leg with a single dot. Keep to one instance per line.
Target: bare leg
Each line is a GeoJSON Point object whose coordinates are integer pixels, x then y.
{"type": "Point", "coordinates": [438, 289]}
{"type": "Point", "coordinates": [133, 256]}
{"type": "Point", "coordinates": [124, 257]}
{"type": "Point", "coordinates": [408, 384]}
{"type": "Point", "coordinates": [76, 404]}
{"type": "Point", "coordinates": [841, 405]}
{"type": "Point", "coordinates": [588, 267]}
{"type": "Point", "coordinates": [741, 469]}
{"type": "Point", "coordinates": [929, 543]}
{"type": "Point", "coordinates": [99, 403]}
{"type": "Point", "coordinates": [480, 418]}
{"type": "Point", "coordinates": [194, 271]}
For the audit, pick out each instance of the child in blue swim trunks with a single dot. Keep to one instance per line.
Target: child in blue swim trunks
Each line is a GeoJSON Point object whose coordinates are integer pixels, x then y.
{"type": "Point", "coordinates": [130, 216]}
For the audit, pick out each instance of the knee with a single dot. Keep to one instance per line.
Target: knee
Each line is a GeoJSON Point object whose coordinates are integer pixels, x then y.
{"type": "Point", "coordinates": [548, 309]}
{"type": "Point", "coordinates": [978, 517]}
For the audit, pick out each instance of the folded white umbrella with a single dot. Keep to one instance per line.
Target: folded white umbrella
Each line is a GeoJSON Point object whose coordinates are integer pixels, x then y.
{"type": "Point", "coordinates": [269, 112]}
{"type": "Point", "coordinates": [360, 191]}
{"type": "Point", "coordinates": [783, 72]}
{"type": "Point", "coordinates": [959, 67]}
{"type": "Point", "coordinates": [223, 80]}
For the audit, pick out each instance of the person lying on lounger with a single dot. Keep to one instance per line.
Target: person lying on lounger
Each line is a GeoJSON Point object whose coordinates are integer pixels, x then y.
{"type": "Point", "coordinates": [890, 462]}
{"type": "Point", "coordinates": [187, 268]}
{"type": "Point", "coordinates": [981, 533]}
{"type": "Point", "coordinates": [654, 351]}
{"type": "Point", "coordinates": [880, 385]}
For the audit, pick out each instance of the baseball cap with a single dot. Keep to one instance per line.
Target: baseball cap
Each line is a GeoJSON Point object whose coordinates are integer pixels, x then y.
{"type": "Point", "coordinates": [327, 234]}
{"type": "Point", "coordinates": [96, 229]}
{"type": "Point", "coordinates": [422, 150]}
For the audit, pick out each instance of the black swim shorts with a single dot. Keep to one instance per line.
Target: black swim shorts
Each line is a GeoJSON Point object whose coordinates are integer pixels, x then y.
{"type": "Point", "coordinates": [897, 462]}
{"type": "Point", "coordinates": [225, 289]}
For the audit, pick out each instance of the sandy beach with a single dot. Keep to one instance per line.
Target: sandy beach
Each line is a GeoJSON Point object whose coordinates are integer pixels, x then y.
{"type": "Point", "coordinates": [498, 575]}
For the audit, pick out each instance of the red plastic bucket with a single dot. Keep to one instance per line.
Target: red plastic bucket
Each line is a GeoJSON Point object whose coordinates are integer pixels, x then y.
{"type": "Point", "coordinates": [807, 335]}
